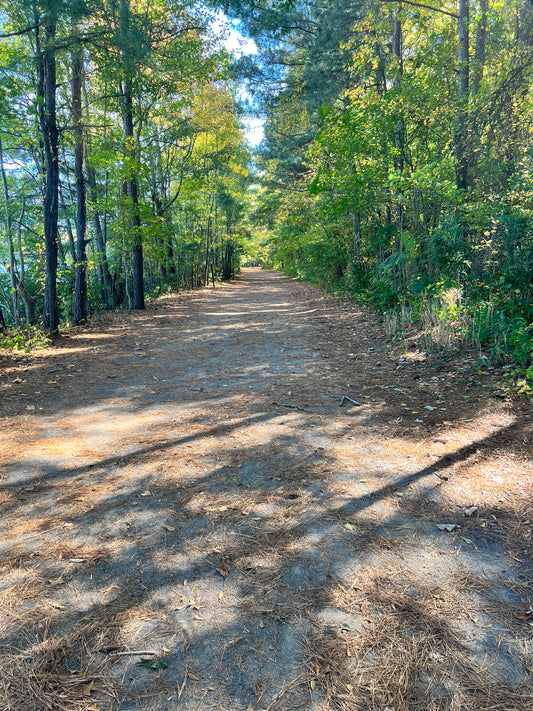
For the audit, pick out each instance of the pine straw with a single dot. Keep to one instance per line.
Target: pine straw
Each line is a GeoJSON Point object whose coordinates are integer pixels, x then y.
{"type": "Point", "coordinates": [508, 522]}
{"type": "Point", "coordinates": [56, 670]}
{"type": "Point", "coordinates": [57, 674]}
{"type": "Point", "coordinates": [407, 653]}
{"type": "Point", "coordinates": [400, 663]}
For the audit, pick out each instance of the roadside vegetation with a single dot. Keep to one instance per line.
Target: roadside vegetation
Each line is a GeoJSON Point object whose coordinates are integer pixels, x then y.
{"type": "Point", "coordinates": [398, 165]}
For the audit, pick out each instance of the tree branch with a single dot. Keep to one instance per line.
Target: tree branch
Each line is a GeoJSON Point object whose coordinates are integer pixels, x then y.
{"type": "Point", "coordinates": [426, 7]}
{"type": "Point", "coordinates": [21, 32]}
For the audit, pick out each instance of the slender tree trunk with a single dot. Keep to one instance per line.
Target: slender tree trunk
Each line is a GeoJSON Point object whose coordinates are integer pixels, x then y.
{"type": "Point", "coordinates": [80, 285]}
{"type": "Point", "coordinates": [133, 195]}
{"type": "Point", "coordinates": [110, 297]}
{"type": "Point", "coordinates": [207, 250]}
{"type": "Point", "coordinates": [132, 186]}
{"type": "Point", "coordinates": [461, 148]}
{"type": "Point", "coordinates": [524, 24]}
{"type": "Point", "coordinates": [399, 143]}
{"type": "Point", "coordinates": [28, 299]}
{"type": "Point", "coordinates": [68, 224]}
{"type": "Point", "coordinates": [46, 100]}
{"type": "Point", "coordinates": [356, 236]}
{"type": "Point", "coordinates": [480, 49]}
{"type": "Point", "coordinates": [9, 231]}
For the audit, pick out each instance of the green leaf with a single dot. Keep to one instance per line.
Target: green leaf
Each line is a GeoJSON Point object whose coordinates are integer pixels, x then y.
{"type": "Point", "coordinates": [154, 664]}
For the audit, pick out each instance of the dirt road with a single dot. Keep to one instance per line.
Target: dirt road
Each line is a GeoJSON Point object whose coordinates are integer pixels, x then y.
{"type": "Point", "coordinates": [192, 520]}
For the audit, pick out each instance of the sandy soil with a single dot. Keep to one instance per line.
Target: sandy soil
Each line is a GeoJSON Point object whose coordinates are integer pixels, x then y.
{"type": "Point", "coordinates": [191, 519]}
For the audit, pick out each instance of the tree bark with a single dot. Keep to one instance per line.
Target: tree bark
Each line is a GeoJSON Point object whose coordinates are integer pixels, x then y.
{"type": "Point", "coordinates": [9, 230]}
{"type": "Point", "coordinates": [80, 283]}
{"type": "Point", "coordinates": [461, 148]}
{"type": "Point", "coordinates": [46, 101]}
{"type": "Point", "coordinates": [399, 142]}
{"type": "Point", "coordinates": [132, 186]}
{"type": "Point", "coordinates": [480, 48]}
{"type": "Point", "coordinates": [68, 224]}
{"type": "Point", "coordinates": [524, 24]}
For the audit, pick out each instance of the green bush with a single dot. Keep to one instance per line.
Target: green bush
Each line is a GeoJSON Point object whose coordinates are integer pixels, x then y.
{"type": "Point", "coordinates": [24, 339]}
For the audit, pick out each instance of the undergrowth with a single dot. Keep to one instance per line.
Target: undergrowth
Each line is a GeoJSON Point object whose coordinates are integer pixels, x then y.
{"type": "Point", "coordinates": [445, 322]}
{"type": "Point", "coordinates": [24, 339]}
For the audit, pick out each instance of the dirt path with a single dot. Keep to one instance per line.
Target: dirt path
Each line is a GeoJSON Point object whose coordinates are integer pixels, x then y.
{"type": "Point", "coordinates": [184, 483]}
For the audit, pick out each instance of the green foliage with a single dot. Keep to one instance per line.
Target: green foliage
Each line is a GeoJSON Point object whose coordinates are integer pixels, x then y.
{"type": "Point", "coordinates": [153, 663]}
{"type": "Point", "coordinates": [375, 207]}
{"type": "Point", "coordinates": [187, 155]}
{"type": "Point", "coordinates": [24, 339]}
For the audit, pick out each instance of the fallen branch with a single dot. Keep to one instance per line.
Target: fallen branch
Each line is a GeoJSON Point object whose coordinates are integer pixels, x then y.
{"type": "Point", "coordinates": [349, 399]}
{"type": "Point", "coordinates": [291, 407]}
{"type": "Point", "coordinates": [127, 653]}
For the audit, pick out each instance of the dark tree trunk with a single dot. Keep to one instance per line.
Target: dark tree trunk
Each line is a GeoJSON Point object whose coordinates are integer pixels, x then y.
{"type": "Point", "coordinates": [524, 24]}
{"type": "Point", "coordinates": [397, 51]}
{"type": "Point", "coordinates": [132, 186]}
{"type": "Point", "coordinates": [46, 100]}
{"type": "Point", "coordinates": [70, 233]}
{"type": "Point", "coordinates": [80, 285]}
{"type": "Point", "coordinates": [461, 148]}
{"type": "Point", "coordinates": [227, 263]}
{"type": "Point", "coordinates": [9, 231]}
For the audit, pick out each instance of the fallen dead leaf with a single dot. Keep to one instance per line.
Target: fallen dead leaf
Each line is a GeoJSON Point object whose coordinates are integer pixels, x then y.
{"type": "Point", "coordinates": [88, 689]}
{"type": "Point", "coordinates": [223, 569]}
{"type": "Point", "coordinates": [525, 615]}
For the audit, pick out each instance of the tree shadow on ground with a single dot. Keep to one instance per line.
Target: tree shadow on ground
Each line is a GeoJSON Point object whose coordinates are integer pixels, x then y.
{"type": "Point", "coordinates": [275, 551]}
{"type": "Point", "coordinates": [265, 593]}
